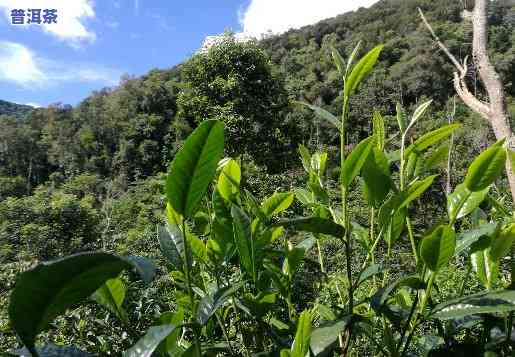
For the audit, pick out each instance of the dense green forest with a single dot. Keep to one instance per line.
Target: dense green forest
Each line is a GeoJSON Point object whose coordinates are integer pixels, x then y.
{"type": "Point", "coordinates": [92, 177]}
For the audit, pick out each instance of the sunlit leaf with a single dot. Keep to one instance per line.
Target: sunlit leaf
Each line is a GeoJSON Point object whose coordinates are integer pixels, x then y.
{"type": "Point", "coordinates": [194, 167]}
{"type": "Point", "coordinates": [229, 181]}
{"type": "Point", "coordinates": [414, 191]}
{"type": "Point", "coordinates": [461, 202]}
{"type": "Point", "coordinates": [481, 303]}
{"type": "Point", "coordinates": [277, 203]}
{"type": "Point", "coordinates": [146, 346]}
{"type": "Point", "coordinates": [419, 112]}
{"type": "Point", "coordinates": [437, 249]}
{"type": "Point", "coordinates": [111, 296]}
{"type": "Point", "coordinates": [431, 138]}
{"type": "Point", "coordinates": [379, 130]}
{"type": "Point", "coordinates": [486, 168]}
{"type": "Point", "coordinates": [300, 347]}
{"type": "Point", "coordinates": [503, 242]}
{"type": "Point", "coordinates": [355, 161]}
{"type": "Point", "coordinates": [361, 70]}
{"type": "Point", "coordinates": [376, 177]}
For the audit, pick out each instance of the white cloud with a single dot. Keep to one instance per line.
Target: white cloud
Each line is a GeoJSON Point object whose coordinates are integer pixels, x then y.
{"type": "Point", "coordinates": [22, 67]}
{"type": "Point", "coordinates": [18, 64]}
{"type": "Point", "coordinates": [277, 16]}
{"type": "Point", "coordinates": [35, 105]}
{"type": "Point", "coordinates": [71, 20]}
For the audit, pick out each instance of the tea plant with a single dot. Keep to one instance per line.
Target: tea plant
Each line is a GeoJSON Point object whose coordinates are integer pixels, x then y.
{"type": "Point", "coordinates": [234, 260]}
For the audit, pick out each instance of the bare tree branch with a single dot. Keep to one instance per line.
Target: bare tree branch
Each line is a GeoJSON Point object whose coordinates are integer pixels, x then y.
{"type": "Point", "coordinates": [453, 59]}
{"type": "Point", "coordinates": [495, 110]}
{"type": "Point", "coordinates": [460, 83]}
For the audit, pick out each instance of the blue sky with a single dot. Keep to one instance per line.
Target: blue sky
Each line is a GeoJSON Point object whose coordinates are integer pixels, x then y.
{"type": "Point", "coordinates": [95, 42]}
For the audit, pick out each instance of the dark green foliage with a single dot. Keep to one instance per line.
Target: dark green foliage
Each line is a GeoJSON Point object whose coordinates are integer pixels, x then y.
{"type": "Point", "coordinates": [241, 270]}
{"type": "Point", "coordinates": [48, 224]}
{"type": "Point", "coordinates": [236, 83]}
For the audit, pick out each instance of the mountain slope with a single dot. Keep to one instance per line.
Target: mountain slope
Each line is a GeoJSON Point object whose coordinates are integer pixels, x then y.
{"type": "Point", "coordinates": [13, 109]}
{"type": "Point", "coordinates": [133, 130]}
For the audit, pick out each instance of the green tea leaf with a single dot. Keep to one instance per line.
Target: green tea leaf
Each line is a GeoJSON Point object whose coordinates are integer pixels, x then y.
{"type": "Point", "coordinates": [60, 285]}
{"type": "Point", "coordinates": [437, 157]}
{"type": "Point", "coordinates": [315, 225]}
{"type": "Point", "coordinates": [381, 296]}
{"type": "Point", "coordinates": [355, 161]}
{"type": "Point", "coordinates": [486, 168]}
{"type": "Point", "coordinates": [511, 157]}
{"type": "Point", "coordinates": [300, 345]}
{"type": "Point", "coordinates": [376, 177]}
{"type": "Point", "coordinates": [401, 118]}
{"type": "Point", "coordinates": [369, 272]}
{"type": "Point", "coordinates": [304, 196]}
{"type": "Point", "coordinates": [325, 337]}
{"type": "Point", "coordinates": [352, 57]}
{"type": "Point", "coordinates": [487, 270]}
{"type": "Point", "coordinates": [437, 249]}
{"type": "Point", "coordinates": [431, 138]}
{"type": "Point", "coordinates": [318, 162]}
{"type": "Point", "coordinates": [361, 70]}
{"type": "Point", "coordinates": [482, 303]}
{"type": "Point", "coordinates": [277, 203]}
{"type": "Point", "coordinates": [502, 244]}
{"type": "Point", "coordinates": [244, 241]}
{"type": "Point", "coordinates": [462, 202]}
{"type": "Point", "coordinates": [170, 344]}
{"type": "Point", "coordinates": [194, 167]}
{"type": "Point", "coordinates": [419, 112]}
{"type": "Point", "coordinates": [306, 158]}
{"type": "Point", "coordinates": [210, 303]}
{"type": "Point", "coordinates": [466, 239]}
{"type": "Point", "coordinates": [229, 181]}
{"type": "Point", "coordinates": [111, 296]}
{"type": "Point", "coordinates": [379, 130]}
{"type": "Point", "coordinates": [415, 190]}
{"type": "Point", "coordinates": [323, 114]}
{"type": "Point", "coordinates": [146, 346]}
{"type": "Point", "coordinates": [172, 245]}
{"type": "Point", "coordinates": [338, 61]}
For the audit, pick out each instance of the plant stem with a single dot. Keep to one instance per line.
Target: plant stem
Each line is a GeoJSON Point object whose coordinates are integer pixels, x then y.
{"type": "Point", "coordinates": [347, 235]}
{"type": "Point", "coordinates": [320, 257]}
{"type": "Point", "coordinates": [224, 331]}
{"type": "Point", "coordinates": [427, 294]}
{"type": "Point", "coordinates": [188, 283]}
{"type": "Point", "coordinates": [372, 239]}
{"type": "Point", "coordinates": [414, 249]}
{"type": "Point", "coordinates": [402, 184]}
{"type": "Point", "coordinates": [408, 322]}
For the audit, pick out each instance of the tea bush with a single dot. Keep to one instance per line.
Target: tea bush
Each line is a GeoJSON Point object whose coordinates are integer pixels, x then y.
{"type": "Point", "coordinates": [362, 269]}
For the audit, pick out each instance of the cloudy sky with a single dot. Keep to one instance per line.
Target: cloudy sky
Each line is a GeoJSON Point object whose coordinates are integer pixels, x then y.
{"type": "Point", "coordinates": [95, 42]}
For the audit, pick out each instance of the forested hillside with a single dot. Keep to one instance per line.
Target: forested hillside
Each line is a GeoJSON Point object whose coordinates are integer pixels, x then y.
{"type": "Point", "coordinates": [92, 177]}
{"type": "Point", "coordinates": [13, 109]}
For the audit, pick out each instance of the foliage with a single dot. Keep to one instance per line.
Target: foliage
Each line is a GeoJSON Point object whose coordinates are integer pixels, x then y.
{"type": "Point", "coordinates": [235, 83]}
{"type": "Point", "coordinates": [352, 249]}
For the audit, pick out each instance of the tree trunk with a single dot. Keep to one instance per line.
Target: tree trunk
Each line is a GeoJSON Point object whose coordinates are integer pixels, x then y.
{"type": "Point", "coordinates": [497, 114]}
{"type": "Point", "coordinates": [494, 111]}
